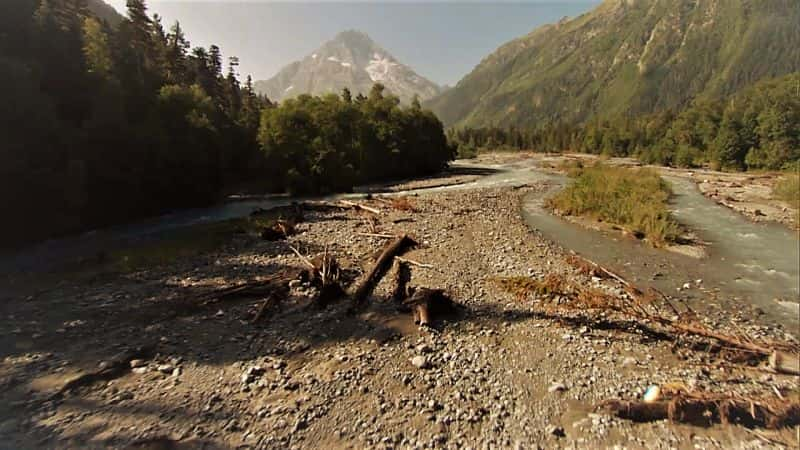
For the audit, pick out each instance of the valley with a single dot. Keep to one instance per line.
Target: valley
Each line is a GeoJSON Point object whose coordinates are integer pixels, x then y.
{"type": "Point", "coordinates": [591, 239]}
{"type": "Point", "coordinates": [503, 371]}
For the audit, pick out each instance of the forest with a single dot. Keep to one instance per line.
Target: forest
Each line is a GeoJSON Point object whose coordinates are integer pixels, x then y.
{"type": "Point", "coordinates": [331, 143]}
{"type": "Point", "coordinates": [108, 122]}
{"type": "Point", "coordinates": [757, 128]}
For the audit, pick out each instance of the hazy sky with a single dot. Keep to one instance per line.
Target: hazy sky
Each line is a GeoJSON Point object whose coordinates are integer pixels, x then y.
{"type": "Point", "coordinates": [442, 41]}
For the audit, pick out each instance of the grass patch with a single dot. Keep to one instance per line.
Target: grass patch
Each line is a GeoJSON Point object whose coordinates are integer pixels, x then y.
{"type": "Point", "coordinates": [788, 190]}
{"type": "Point", "coordinates": [634, 199]}
{"type": "Point", "coordinates": [184, 243]}
{"type": "Point", "coordinates": [571, 167]}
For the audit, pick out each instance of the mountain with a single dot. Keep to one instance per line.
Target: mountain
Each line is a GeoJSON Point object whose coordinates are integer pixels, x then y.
{"type": "Point", "coordinates": [627, 56]}
{"type": "Point", "coordinates": [350, 60]}
{"type": "Point", "coordinates": [104, 11]}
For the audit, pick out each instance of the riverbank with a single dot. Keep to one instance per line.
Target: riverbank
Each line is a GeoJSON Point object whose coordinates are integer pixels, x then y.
{"type": "Point", "coordinates": [749, 194]}
{"type": "Point", "coordinates": [504, 372]}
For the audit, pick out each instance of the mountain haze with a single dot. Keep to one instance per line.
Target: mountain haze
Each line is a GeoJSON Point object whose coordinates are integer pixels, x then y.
{"type": "Point", "coordinates": [350, 60]}
{"type": "Point", "coordinates": [628, 56]}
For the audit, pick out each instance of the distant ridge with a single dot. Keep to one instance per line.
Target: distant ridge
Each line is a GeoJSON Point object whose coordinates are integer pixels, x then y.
{"type": "Point", "coordinates": [628, 56]}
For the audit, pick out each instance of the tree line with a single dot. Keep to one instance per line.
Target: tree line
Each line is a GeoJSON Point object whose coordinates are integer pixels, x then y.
{"type": "Point", "coordinates": [333, 142]}
{"type": "Point", "coordinates": [104, 123]}
{"type": "Point", "coordinates": [757, 128]}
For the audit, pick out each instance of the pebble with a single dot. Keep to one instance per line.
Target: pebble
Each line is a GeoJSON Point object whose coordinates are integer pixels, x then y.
{"type": "Point", "coordinates": [138, 363]}
{"type": "Point", "coordinates": [556, 431]}
{"type": "Point", "coordinates": [557, 387]}
{"type": "Point", "coordinates": [629, 361]}
{"type": "Point", "coordinates": [420, 362]}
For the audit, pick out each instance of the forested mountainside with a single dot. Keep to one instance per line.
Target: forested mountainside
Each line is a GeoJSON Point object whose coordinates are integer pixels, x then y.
{"type": "Point", "coordinates": [104, 11]}
{"type": "Point", "coordinates": [103, 124]}
{"type": "Point", "coordinates": [627, 56]}
{"type": "Point", "coordinates": [350, 60]}
{"type": "Point", "coordinates": [755, 128]}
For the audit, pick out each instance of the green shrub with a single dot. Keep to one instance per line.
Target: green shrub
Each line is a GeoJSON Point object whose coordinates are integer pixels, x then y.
{"type": "Point", "coordinates": [635, 199]}
{"type": "Point", "coordinates": [788, 190]}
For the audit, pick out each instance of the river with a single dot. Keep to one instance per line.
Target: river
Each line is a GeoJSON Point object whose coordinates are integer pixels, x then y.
{"type": "Point", "coordinates": [757, 263]}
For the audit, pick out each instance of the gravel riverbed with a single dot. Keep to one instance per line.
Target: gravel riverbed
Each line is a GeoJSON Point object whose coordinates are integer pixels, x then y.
{"type": "Point", "coordinates": [505, 373]}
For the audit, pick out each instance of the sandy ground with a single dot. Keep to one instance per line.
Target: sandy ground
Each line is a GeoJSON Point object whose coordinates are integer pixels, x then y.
{"type": "Point", "coordinates": [505, 373]}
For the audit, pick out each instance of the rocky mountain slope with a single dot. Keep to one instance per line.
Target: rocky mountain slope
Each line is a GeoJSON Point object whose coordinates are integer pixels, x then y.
{"type": "Point", "coordinates": [104, 11]}
{"type": "Point", "coordinates": [628, 56]}
{"type": "Point", "coordinates": [350, 60]}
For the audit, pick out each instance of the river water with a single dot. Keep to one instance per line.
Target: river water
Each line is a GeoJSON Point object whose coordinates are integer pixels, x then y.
{"type": "Point", "coordinates": [756, 263]}
{"type": "Point", "coordinates": [746, 261]}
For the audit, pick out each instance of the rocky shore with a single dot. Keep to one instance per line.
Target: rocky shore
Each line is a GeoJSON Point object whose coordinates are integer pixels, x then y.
{"type": "Point", "coordinates": [503, 373]}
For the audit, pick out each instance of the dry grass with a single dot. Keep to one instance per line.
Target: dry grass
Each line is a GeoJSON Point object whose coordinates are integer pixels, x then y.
{"type": "Point", "coordinates": [403, 204]}
{"type": "Point", "coordinates": [571, 166]}
{"type": "Point", "coordinates": [584, 267]}
{"type": "Point", "coordinates": [524, 287]}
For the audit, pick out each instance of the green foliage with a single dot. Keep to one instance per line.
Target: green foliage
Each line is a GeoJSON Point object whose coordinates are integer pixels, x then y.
{"type": "Point", "coordinates": [105, 124]}
{"type": "Point", "coordinates": [330, 143]}
{"type": "Point", "coordinates": [788, 190]}
{"type": "Point", "coordinates": [756, 128]}
{"type": "Point", "coordinates": [96, 48]}
{"type": "Point", "coordinates": [187, 242]}
{"type": "Point", "coordinates": [632, 198]}
{"type": "Point", "coordinates": [627, 58]}
{"type": "Point", "coordinates": [106, 119]}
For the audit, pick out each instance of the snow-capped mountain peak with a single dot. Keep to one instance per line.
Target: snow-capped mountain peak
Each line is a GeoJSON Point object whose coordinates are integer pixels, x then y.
{"type": "Point", "coordinates": [350, 60]}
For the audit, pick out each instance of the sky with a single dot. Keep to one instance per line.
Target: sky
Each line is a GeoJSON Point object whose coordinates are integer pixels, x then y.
{"type": "Point", "coordinates": [441, 41]}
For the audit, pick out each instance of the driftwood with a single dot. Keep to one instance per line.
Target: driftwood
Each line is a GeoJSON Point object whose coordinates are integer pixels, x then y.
{"type": "Point", "coordinates": [278, 231]}
{"type": "Point", "coordinates": [323, 272]}
{"type": "Point", "coordinates": [378, 235]}
{"type": "Point", "coordinates": [708, 410]}
{"type": "Point", "coordinates": [359, 207]}
{"type": "Point", "coordinates": [428, 304]}
{"type": "Point", "coordinates": [294, 211]}
{"type": "Point", "coordinates": [783, 357]}
{"type": "Point", "coordinates": [115, 367]}
{"type": "Point", "coordinates": [414, 263]}
{"type": "Point", "coordinates": [266, 305]}
{"type": "Point", "coordinates": [277, 283]}
{"type": "Point", "coordinates": [377, 271]}
{"type": "Point", "coordinates": [402, 275]}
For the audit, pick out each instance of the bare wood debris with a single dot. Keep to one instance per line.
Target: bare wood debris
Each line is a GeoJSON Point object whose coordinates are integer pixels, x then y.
{"type": "Point", "coordinates": [427, 304]}
{"type": "Point", "coordinates": [707, 409]}
{"type": "Point", "coordinates": [402, 275]}
{"type": "Point", "coordinates": [359, 207]}
{"type": "Point", "coordinates": [646, 307]}
{"type": "Point", "coordinates": [278, 231]}
{"type": "Point", "coordinates": [368, 282]}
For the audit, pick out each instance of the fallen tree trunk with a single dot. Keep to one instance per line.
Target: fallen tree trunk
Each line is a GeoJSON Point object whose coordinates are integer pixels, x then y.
{"type": "Point", "coordinates": [700, 411]}
{"type": "Point", "coordinates": [371, 279]}
{"type": "Point", "coordinates": [402, 275]}
{"type": "Point", "coordinates": [428, 304]}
